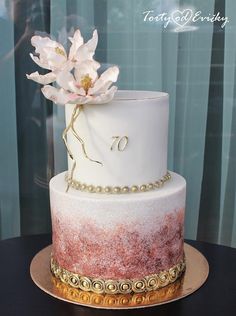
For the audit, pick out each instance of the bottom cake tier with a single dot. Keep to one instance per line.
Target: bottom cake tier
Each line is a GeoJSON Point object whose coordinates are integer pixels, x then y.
{"type": "Point", "coordinates": [118, 243]}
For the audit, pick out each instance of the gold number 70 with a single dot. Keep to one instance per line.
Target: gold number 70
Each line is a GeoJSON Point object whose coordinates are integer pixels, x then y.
{"type": "Point", "coordinates": [119, 143]}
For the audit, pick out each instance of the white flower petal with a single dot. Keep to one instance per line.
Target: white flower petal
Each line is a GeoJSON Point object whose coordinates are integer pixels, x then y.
{"type": "Point", "coordinates": [55, 59]}
{"type": "Point", "coordinates": [83, 54]}
{"type": "Point", "coordinates": [104, 97]}
{"type": "Point", "coordinates": [92, 43]}
{"type": "Point", "coordinates": [63, 79]}
{"type": "Point", "coordinates": [111, 74]}
{"type": "Point", "coordinates": [41, 42]}
{"type": "Point", "coordinates": [77, 37]}
{"type": "Point", "coordinates": [39, 62]}
{"type": "Point", "coordinates": [58, 96]}
{"type": "Point", "coordinates": [83, 69]}
{"type": "Point", "coordinates": [102, 87]}
{"type": "Point", "coordinates": [77, 40]}
{"type": "Point", "coordinates": [93, 63]}
{"type": "Point", "coordinates": [73, 88]}
{"type": "Point", "coordinates": [68, 66]}
{"type": "Point", "coordinates": [42, 79]}
{"type": "Point", "coordinates": [52, 54]}
{"type": "Point", "coordinates": [105, 80]}
{"type": "Point", "coordinates": [87, 50]}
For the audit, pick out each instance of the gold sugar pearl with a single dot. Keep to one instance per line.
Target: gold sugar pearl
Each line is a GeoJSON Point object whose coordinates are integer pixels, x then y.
{"type": "Point", "coordinates": [77, 185]}
{"type": "Point", "coordinates": [98, 189]}
{"type": "Point", "coordinates": [157, 184]}
{"type": "Point", "coordinates": [116, 190]}
{"type": "Point", "coordinates": [83, 187]}
{"type": "Point", "coordinates": [143, 188]}
{"type": "Point", "coordinates": [125, 189]}
{"type": "Point", "coordinates": [134, 188]}
{"type": "Point", "coordinates": [107, 189]}
{"type": "Point", "coordinates": [91, 188]}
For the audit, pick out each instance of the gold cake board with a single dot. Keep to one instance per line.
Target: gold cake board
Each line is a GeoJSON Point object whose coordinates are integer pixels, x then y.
{"type": "Point", "coordinates": [197, 270]}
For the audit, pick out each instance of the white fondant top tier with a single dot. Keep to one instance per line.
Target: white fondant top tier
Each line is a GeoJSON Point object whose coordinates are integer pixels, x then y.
{"type": "Point", "coordinates": [128, 135]}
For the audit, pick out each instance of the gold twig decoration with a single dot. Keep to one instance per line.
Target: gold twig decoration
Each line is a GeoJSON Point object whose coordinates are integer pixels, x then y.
{"type": "Point", "coordinates": [74, 116]}
{"type": "Point", "coordinates": [80, 139]}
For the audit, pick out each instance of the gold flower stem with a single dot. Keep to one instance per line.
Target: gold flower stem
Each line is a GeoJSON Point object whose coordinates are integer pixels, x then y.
{"type": "Point", "coordinates": [74, 116]}
{"type": "Point", "coordinates": [80, 139]}
{"type": "Point", "coordinates": [64, 137]}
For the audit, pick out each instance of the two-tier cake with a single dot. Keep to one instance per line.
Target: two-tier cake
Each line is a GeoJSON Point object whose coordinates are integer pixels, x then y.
{"type": "Point", "coordinates": [117, 213]}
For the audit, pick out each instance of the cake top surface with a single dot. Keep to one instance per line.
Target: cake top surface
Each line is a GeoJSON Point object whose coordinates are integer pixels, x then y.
{"type": "Point", "coordinates": [139, 95]}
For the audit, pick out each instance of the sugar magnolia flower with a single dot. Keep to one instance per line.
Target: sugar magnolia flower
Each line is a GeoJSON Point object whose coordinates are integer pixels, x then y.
{"type": "Point", "coordinates": [52, 55]}
{"type": "Point", "coordinates": [84, 86]}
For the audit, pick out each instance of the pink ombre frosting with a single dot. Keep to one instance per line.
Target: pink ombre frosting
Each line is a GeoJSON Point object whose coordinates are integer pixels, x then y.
{"type": "Point", "coordinates": [118, 236]}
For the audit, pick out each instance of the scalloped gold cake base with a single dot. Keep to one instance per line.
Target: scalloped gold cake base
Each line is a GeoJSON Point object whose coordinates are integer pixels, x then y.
{"type": "Point", "coordinates": [197, 270]}
{"type": "Point", "coordinates": [125, 286]}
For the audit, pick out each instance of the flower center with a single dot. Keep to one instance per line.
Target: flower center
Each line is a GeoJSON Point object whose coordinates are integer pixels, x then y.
{"type": "Point", "coordinates": [86, 83]}
{"type": "Point", "coordinates": [59, 51]}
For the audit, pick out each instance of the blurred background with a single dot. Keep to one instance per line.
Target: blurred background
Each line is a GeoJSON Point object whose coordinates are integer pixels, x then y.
{"type": "Point", "coordinates": [195, 64]}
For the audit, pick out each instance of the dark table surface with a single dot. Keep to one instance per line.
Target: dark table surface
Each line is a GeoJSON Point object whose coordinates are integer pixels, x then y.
{"type": "Point", "coordinates": [19, 296]}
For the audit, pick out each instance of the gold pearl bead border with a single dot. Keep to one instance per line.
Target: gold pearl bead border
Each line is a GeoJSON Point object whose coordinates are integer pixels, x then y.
{"type": "Point", "coordinates": [117, 189]}
{"type": "Point", "coordinates": [99, 286]}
